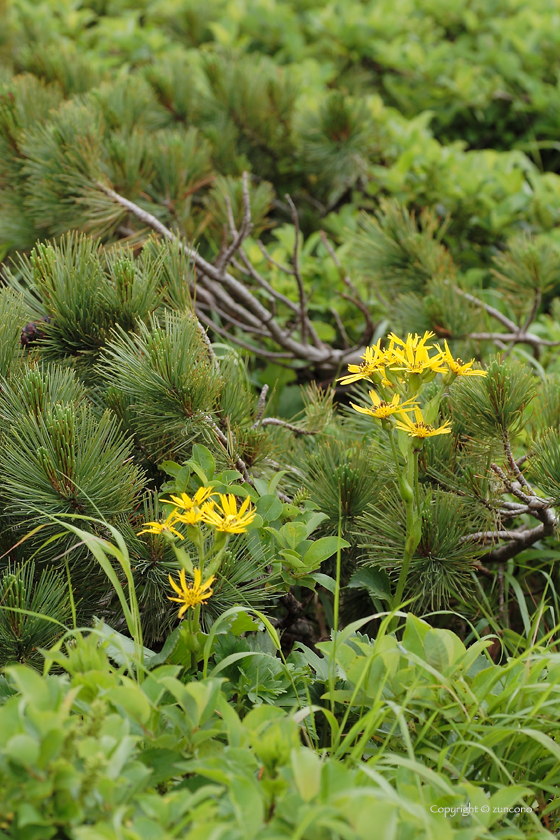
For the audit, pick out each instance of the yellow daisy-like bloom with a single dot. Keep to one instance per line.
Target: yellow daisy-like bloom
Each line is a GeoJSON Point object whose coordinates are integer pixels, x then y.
{"type": "Point", "coordinates": [165, 527]}
{"type": "Point", "coordinates": [228, 519]}
{"type": "Point", "coordinates": [191, 596]}
{"type": "Point", "coordinates": [374, 362]}
{"type": "Point", "coordinates": [417, 428]}
{"type": "Point", "coordinates": [457, 366]}
{"type": "Point", "coordinates": [184, 502]}
{"type": "Point", "coordinates": [190, 510]}
{"type": "Point", "coordinates": [412, 355]}
{"type": "Point", "coordinates": [192, 516]}
{"type": "Point", "coordinates": [382, 409]}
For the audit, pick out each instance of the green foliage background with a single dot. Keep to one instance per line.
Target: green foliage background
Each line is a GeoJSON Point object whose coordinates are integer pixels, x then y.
{"type": "Point", "coordinates": [419, 142]}
{"type": "Point", "coordinates": [453, 106]}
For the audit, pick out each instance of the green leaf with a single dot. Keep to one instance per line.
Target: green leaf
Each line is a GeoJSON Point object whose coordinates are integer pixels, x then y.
{"type": "Point", "coordinates": [269, 507]}
{"type": "Point", "coordinates": [321, 550]}
{"type": "Point", "coordinates": [414, 635]}
{"type": "Point", "coordinates": [23, 749]}
{"type": "Point", "coordinates": [243, 624]}
{"type": "Point", "coordinates": [166, 651]}
{"type": "Point", "coordinates": [438, 650]}
{"type": "Point", "coordinates": [275, 481]}
{"type": "Point", "coordinates": [133, 701]}
{"type": "Point", "coordinates": [204, 459]}
{"type": "Point", "coordinates": [326, 581]}
{"type": "Point", "coordinates": [306, 767]}
{"type": "Point", "coordinates": [293, 533]}
{"type": "Point", "coordinates": [376, 581]}
{"type": "Point", "coordinates": [503, 800]}
{"type": "Point", "coordinates": [171, 468]}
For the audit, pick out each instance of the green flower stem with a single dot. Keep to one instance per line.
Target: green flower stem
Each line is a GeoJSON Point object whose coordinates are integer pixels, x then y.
{"type": "Point", "coordinates": [412, 481]}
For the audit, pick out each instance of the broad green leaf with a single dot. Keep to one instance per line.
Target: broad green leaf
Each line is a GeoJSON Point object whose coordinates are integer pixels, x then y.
{"type": "Point", "coordinates": [269, 507]}
{"type": "Point", "coordinates": [132, 700]}
{"type": "Point", "coordinates": [306, 767]}
{"type": "Point", "coordinates": [202, 456]}
{"type": "Point", "coordinates": [321, 550]}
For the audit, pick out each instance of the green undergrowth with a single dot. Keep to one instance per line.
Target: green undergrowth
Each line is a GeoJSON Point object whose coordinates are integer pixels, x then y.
{"type": "Point", "coordinates": [420, 738]}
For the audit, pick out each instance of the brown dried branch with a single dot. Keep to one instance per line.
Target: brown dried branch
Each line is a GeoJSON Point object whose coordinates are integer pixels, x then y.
{"type": "Point", "coordinates": [272, 261]}
{"type": "Point", "coordinates": [369, 330]}
{"type": "Point", "coordinates": [249, 270]}
{"type": "Point", "coordinates": [261, 405]}
{"type": "Point", "coordinates": [513, 463]}
{"type": "Point", "coordinates": [297, 275]}
{"type": "Point", "coordinates": [520, 539]}
{"type": "Point", "coordinates": [516, 334]}
{"type": "Point", "coordinates": [332, 254]}
{"type": "Point", "coordinates": [265, 354]}
{"type": "Point", "coordinates": [340, 326]}
{"type": "Point", "coordinates": [275, 421]}
{"type": "Point", "coordinates": [238, 237]}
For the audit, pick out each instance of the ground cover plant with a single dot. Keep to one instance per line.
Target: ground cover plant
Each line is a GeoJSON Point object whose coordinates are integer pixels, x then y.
{"type": "Point", "coordinates": [280, 420]}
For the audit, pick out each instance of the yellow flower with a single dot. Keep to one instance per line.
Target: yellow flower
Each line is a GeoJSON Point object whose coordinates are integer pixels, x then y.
{"type": "Point", "coordinates": [184, 502]}
{"type": "Point", "coordinates": [412, 355]}
{"type": "Point", "coordinates": [165, 527]}
{"type": "Point", "coordinates": [190, 596]}
{"type": "Point", "coordinates": [192, 516]}
{"type": "Point", "coordinates": [419, 429]}
{"type": "Point", "coordinates": [374, 362]}
{"type": "Point", "coordinates": [382, 409]}
{"type": "Point", "coordinates": [191, 510]}
{"type": "Point", "coordinates": [227, 518]}
{"type": "Point", "coordinates": [457, 366]}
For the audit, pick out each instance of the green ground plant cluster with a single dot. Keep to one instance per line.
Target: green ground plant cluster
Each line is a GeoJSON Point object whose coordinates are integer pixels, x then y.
{"type": "Point", "coordinates": [279, 420]}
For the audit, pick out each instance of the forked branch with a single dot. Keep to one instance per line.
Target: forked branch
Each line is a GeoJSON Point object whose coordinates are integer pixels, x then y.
{"type": "Point", "coordinates": [232, 309]}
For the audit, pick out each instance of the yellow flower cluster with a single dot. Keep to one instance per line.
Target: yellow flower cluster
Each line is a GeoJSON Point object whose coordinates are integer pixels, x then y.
{"type": "Point", "coordinates": [389, 367]}
{"type": "Point", "coordinates": [407, 357]}
{"type": "Point", "coordinates": [202, 507]}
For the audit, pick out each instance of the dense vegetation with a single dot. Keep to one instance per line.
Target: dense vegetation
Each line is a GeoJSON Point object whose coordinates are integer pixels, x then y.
{"type": "Point", "coordinates": [280, 419]}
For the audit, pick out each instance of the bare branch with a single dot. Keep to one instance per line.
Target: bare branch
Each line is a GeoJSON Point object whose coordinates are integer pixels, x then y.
{"type": "Point", "coordinates": [534, 505]}
{"type": "Point", "coordinates": [304, 321]}
{"type": "Point", "coordinates": [332, 254]}
{"type": "Point", "coordinates": [252, 311]}
{"type": "Point", "coordinates": [516, 338]}
{"type": "Point", "coordinates": [244, 230]}
{"type": "Point", "coordinates": [369, 330]}
{"type": "Point", "coordinates": [251, 271]}
{"type": "Point", "coordinates": [532, 314]}
{"type": "Point", "coordinates": [272, 261]}
{"type": "Point", "coordinates": [340, 326]}
{"type": "Point", "coordinates": [495, 536]}
{"type": "Point", "coordinates": [275, 421]}
{"type": "Point", "coordinates": [513, 463]}
{"type": "Point", "coordinates": [525, 540]}
{"type": "Point", "coordinates": [252, 330]}
{"type": "Point", "coordinates": [495, 313]}
{"type": "Point", "coordinates": [265, 354]}
{"type": "Point", "coordinates": [261, 405]}
{"type": "Point", "coordinates": [516, 334]}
